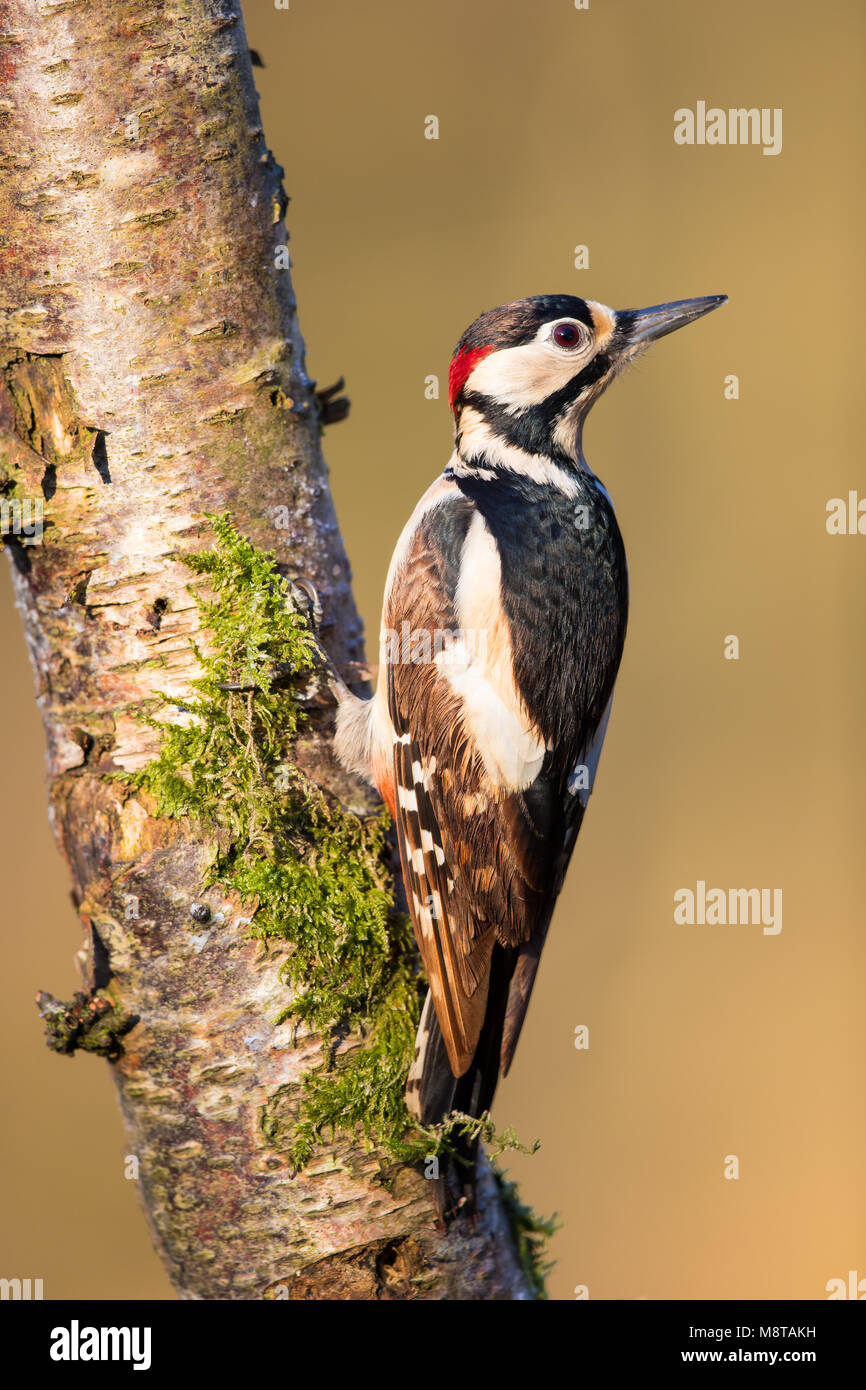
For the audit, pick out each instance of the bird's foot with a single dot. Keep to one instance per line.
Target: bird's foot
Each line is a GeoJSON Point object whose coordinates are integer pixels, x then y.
{"type": "Point", "coordinates": [325, 685]}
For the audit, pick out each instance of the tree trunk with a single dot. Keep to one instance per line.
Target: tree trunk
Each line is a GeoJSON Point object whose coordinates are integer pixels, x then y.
{"type": "Point", "coordinates": [152, 372]}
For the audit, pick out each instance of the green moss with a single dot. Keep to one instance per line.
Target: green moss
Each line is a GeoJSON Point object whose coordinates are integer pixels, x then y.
{"type": "Point", "coordinates": [449, 1137]}
{"type": "Point", "coordinates": [531, 1234]}
{"type": "Point", "coordinates": [314, 875]}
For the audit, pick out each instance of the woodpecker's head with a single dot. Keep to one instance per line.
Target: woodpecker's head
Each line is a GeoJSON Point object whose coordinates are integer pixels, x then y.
{"type": "Point", "coordinates": [525, 375]}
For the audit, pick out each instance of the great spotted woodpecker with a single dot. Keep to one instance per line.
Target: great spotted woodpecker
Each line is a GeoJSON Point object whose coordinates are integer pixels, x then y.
{"type": "Point", "coordinates": [503, 626]}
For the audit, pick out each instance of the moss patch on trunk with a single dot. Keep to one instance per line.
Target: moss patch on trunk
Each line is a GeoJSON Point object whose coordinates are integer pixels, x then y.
{"type": "Point", "coordinates": [314, 875]}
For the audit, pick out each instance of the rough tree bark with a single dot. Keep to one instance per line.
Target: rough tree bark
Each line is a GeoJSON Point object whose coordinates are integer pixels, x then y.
{"type": "Point", "coordinates": [152, 370]}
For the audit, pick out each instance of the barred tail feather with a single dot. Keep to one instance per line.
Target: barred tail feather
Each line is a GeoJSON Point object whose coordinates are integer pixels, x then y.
{"type": "Point", "coordinates": [431, 1083]}
{"type": "Point", "coordinates": [432, 1090]}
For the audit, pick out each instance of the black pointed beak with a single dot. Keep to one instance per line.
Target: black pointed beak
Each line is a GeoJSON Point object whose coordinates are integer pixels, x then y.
{"type": "Point", "coordinates": [640, 327]}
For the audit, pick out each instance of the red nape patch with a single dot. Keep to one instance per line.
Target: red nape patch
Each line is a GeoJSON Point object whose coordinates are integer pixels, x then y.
{"type": "Point", "coordinates": [461, 365]}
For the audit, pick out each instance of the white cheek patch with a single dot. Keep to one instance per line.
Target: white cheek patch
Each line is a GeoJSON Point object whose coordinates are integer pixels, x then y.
{"type": "Point", "coordinates": [522, 376]}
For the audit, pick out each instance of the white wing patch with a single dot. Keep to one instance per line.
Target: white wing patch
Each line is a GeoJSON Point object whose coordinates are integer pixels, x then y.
{"type": "Point", "coordinates": [479, 668]}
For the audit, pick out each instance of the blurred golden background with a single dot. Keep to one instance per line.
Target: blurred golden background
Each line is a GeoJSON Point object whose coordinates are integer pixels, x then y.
{"type": "Point", "coordinates": [556, 130]}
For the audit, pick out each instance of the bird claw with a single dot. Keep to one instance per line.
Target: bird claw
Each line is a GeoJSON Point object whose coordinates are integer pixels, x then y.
{"type": "Point", "coordinates": [327, 686]}
{"type": "Point", "coordinates": [313, 605]}
{"type": "Point", "coordinates": [324, 678]}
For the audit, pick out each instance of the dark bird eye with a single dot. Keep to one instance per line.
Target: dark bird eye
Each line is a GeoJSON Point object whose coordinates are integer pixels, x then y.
{"type": "Point", "coordinates": [567, 335]}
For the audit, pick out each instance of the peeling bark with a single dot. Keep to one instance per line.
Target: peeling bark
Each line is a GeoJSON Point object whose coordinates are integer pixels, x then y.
{"type": "Point", "coordinates": [152, 370]}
